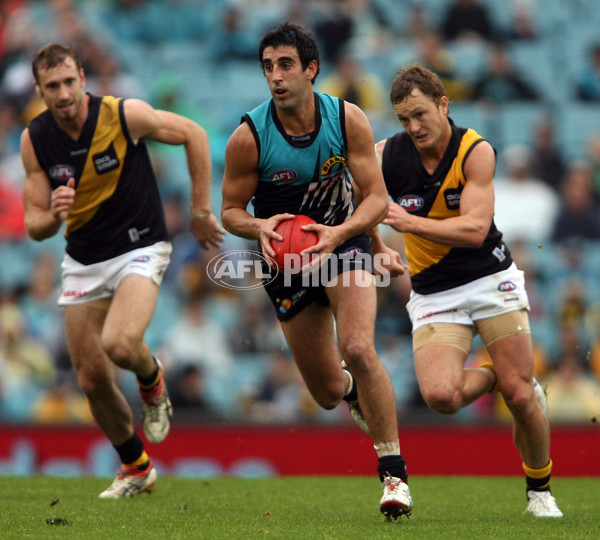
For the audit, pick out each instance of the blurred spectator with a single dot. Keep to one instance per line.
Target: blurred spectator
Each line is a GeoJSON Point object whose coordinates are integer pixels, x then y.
{"type": "Point", "coordinates": [281, 396]}
{"type": "Point", "coordinates": [10, 132]}
{"type": "Point", "coordinates": [74, 31]}
{"type": "Point", "coordinates": [396, 356]}
{"type": "Point", "coordinates": [232, 41]}
{"type": "Point", "coordinates": [38, 304]}
{"type": "Point", "coordinates": [434, 55]}
{"type": "Point", "coordinates": [569, 275]}
{"type": "Point", "coordinates": [333, 27]}
{"type": "Point", "coordinates": [63, 403]}
{"type": "Point", "coordinates": [154, 22]}
{"type": "Point", "coordinates": [588, 83]}
{"type": "Point", "coordinates": [258, 331]}
{"type": "Point", "coordinates": [104, 75]}
{"type": "Point", "coordinates": [467, 19]}
{"type": "Point", "coordinates": [523, 21]}
{"type": "Point", "coordinates": [20, 39]}
{"type": "Point", "coordinates": [579, 212]}
{"type": "Point", "coordinates": [168, 92]}
{"type": "Point", "coordinates": [12, 215]}
{"type": "Point", "coordinates": [592, 155]}
{"type": "Point", "coordinates": [351, 82]}
{"type": "Point", "coordinates": [370, 22]}
{"type": "Point", "coordinates": [185, 247]}
{"type": "Point", "coordinates": [526, 207]}
{"type": "Point", "coordinates": [548, 163]}
{"type": "Point", "coordinates": [25, 363]}
{"type": "Point", "coordinates": [297, 12]}
{"type": "Point", "coordinates": [188, 391]}
{"type": "Point", "coordinates": [109, 79]}
{"type": "Point", "coordinates": [195, 339]}
{"type": "Point", "coordinates": [501, 82]}
{"type": "Point", "coordinates": [573, 394]}
{"type": "Point", "coordinates": [535, 281]}
{"type": "Point", "coordinates": [571, 312]}
{"type": "Point", "coordinates": [417, 22]}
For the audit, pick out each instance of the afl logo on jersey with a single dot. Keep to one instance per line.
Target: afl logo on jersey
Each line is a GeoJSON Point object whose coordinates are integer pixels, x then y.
{"type": "Point", "coordinates": [284, 176]}
{"type": "Point", "coordinates": [62, 172]}
{"type": "Point", "coordinates": [410, 203]}
{"type": "Point", "coordinates": [507, 286]}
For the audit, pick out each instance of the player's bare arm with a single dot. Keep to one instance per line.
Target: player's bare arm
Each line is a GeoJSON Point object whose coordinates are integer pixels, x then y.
{"type": "Point", "coordinates": [240, 182]}
{"type": "Point", "coordinates": [392, 261]}
{"type": "Point", "coordinates": [143, 121]}
{"type": "Point", "coordinates": [367, 176]}
{"type": "Point", "coordinates": [470, 228]}
{"type": "Point", "coordinates": [45, 210]}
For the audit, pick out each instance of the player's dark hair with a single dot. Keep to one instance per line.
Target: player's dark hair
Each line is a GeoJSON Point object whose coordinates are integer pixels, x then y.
{"type": "Point", "coordinates": [416, 76]}
{"type": "Point", "coordinates": [295, 36]}
{"type": "Point", "coordinates": [51, 56]}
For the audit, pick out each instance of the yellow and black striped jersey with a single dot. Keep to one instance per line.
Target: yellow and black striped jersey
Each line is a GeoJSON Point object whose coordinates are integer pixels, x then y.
{"type": "Point", "coordinates": [434, 267]}
{"type": "Point", "coordinates": [117, 205]}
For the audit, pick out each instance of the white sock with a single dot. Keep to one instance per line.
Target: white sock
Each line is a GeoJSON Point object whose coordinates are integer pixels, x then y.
{"type": "Point", "coordinates": [349, 382]}
{"type": "Point", "coordinates": [387, 448]}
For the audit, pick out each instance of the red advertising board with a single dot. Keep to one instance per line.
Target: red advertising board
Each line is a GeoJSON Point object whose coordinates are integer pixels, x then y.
{"type": "Point", "coordinates": [208, 450]}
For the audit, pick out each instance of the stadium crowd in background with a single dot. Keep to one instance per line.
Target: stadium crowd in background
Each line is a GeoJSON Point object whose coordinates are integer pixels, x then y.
{"type": "Point", "coordinates": [167, 52]}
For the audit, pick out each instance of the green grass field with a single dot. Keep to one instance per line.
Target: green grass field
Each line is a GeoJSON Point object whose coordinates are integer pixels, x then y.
{"type": "Point", "coordinates": [344, 508]}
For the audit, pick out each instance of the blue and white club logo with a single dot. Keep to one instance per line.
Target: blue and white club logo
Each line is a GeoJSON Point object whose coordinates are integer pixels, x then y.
{"type": "Point", "coordinates": [241, 269]}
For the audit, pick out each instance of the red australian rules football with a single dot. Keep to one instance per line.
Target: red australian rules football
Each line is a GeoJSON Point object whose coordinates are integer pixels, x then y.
{"type": "Point", "coordinates": [294, 241]}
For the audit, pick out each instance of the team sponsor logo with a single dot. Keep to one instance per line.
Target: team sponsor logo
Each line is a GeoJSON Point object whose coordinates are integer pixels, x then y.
{"type": "Point", "coordinates": [452, 198]}
{"type": "Point", "coordinates": [433, 313]}
{"type": "Point", "coordinates": [352, 251]}
{"type": "Point", "coordinates": [284, 176]}
{"type": "Point", "coordinates": [106, 160]}
{"type": "Point", "coordinates": [301, 138]}
{"type": "Point", "coordinates": [499, 253]}
{"type": "Point", "coordinates": [284, 304]}
{"type": "Point", "coordinates": [241, 269]}
{"type": "Point", "coordinates": [62, 172]}
{"type": "Point", "coordinates": [507, 286]}
{"type": "Point", "coordinates": [74, 294]}
{"type": "Point", "coordinates": [326, 168]}
{"type": "Point", "coordinates": [410, 203]}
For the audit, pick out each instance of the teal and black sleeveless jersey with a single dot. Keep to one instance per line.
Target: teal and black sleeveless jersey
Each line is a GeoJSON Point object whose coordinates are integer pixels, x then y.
{"type": "Point", "coordinates": [435, 267]}
{"type": "Point", "coordinates": [303, 175]}
{"type": "Point", "coordinates": [117, 204]}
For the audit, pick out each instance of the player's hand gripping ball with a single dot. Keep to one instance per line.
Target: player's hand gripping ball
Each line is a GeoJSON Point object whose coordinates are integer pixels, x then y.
{"type": "Point", "coordinates": [294, 241]}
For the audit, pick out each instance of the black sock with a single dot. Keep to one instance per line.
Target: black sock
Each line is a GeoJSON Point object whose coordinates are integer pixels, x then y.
{"type": "Point", "coordinates": [392, 466]}
{"type": "Point", "coordinates": [148, 381]}
{"type": "Point", "coordinates": [538, 479]}
{"type": "Point", "coordinates": [131, 450]}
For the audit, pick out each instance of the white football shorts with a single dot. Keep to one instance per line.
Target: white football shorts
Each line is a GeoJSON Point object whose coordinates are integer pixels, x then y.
{"type": "Point", "coordinates": [485, 297]}
{"type": "Point", "coordinates": [88, 283]}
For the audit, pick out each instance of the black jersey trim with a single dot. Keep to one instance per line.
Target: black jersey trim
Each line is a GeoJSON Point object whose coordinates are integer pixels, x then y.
{"type": "Point", "coordinates": [308, 138]}
{"type": "Point", "coordinates": [342, 109]}
{"type": "Point", "coordinates": [123, 120]}
{"type": "Point", "coordinates": [246, 118]}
